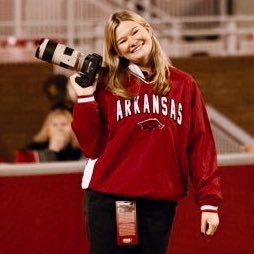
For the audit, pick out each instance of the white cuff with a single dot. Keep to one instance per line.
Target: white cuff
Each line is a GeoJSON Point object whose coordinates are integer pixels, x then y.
{"type": "Point", "coordinates": [85, 99]}
{"type": "Point", "coordinates": [209, 207]}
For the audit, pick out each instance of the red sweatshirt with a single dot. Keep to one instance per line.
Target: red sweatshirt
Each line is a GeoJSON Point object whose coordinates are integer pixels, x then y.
{"type": "Point", "coordinates": [147, 147]}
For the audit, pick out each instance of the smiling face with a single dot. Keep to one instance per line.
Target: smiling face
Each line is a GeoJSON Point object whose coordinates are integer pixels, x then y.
{"type": "Point", "coordinates": [134, 42]}
{"type": "Point", "coordinates": [59, 124]}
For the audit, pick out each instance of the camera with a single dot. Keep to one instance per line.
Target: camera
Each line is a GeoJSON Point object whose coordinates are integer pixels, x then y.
{"type": "Point", "coordinates": [66, 57]}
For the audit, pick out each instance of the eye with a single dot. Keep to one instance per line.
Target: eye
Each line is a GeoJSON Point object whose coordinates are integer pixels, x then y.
{"type": "Point", "coordinates": [122, 41]}
{"type": "Point", "coordinates": [135, 31]}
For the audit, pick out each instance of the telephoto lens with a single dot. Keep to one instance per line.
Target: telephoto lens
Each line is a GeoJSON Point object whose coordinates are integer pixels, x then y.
{"type": "Point", "coordinates": [69, 58]}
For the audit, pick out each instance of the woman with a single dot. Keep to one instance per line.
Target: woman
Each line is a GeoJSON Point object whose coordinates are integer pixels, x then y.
{"type": "Point", "coordinates": [54, 142]}
{"type": "Point", "coordinates": [145, 128]}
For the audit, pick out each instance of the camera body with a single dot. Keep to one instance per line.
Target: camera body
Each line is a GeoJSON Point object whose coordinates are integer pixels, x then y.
{"type": "Point", "coordinates": [66, 57]}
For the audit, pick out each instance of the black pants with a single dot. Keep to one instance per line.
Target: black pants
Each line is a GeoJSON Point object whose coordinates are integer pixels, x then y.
{"type": "Point", "coordinates": [154, 218]}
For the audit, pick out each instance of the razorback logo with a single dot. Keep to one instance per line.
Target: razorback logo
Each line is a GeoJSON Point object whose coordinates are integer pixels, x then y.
{"type": "Point", "coordinates": [151, 124]}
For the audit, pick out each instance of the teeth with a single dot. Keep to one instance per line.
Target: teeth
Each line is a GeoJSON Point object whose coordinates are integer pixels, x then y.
{"type": "Point", "coordinates": [137, 48]}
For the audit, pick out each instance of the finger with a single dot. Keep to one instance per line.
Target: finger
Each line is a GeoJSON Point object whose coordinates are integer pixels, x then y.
{"type": "Point", "coordinates": [73, 77]}
{"type": "Point", "coordinates": [97, 76]}
{"type": "Point", "coordinates": [96, 79]}
{"type": "Point", "coordinates": [211, 229]}
{"type": "Point", "coordinates": [203, 226]}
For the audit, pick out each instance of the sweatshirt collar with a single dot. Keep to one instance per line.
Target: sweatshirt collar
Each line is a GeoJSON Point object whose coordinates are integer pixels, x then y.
{"type": "Point", "coordinates": [136, 71]}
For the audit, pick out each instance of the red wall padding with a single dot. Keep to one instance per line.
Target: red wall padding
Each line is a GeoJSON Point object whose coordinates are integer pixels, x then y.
{"type": "Point", "coordinates": [235, 234]}
{"type": "Point", "coordinates": [43, 214]}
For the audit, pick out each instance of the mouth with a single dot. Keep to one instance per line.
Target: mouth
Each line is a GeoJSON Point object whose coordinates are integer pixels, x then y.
{"type": "Point", "coordinates": [137, 48]}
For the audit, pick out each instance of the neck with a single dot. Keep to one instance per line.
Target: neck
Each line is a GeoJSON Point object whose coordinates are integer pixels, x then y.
{"type": "Point", "coordinates": [148, 67]}
{"type": "Point", "coordinates": [149, 70]}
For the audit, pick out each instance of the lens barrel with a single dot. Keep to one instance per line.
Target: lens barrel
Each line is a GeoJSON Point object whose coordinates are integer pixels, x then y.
{"type": "Point", "coordinates": [46, 50]}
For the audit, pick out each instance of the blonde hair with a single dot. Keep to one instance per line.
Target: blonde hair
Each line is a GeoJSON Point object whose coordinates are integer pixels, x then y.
{"type": "Point", "coordinates": [43, 134]}
{"type": "Point", "coordinates": [117, 65]}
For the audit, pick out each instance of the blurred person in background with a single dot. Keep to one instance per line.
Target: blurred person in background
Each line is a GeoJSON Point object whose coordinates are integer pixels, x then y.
{"type": "Point", "coordinates": [55, 141]}
{"type": "Point", "coordinates": [59, 92]}
{"type": "Point", "coordinates": [145, 128]}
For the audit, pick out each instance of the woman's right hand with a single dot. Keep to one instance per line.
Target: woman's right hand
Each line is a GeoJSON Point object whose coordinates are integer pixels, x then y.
{"type": "Point", "coordinates": [81, 91]}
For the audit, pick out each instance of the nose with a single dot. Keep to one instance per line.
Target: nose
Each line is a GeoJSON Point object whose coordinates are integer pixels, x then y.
{"type": "Point", "coordinates": [132, 42]}
{"type": "Point", "coordinates": [60, 127]}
